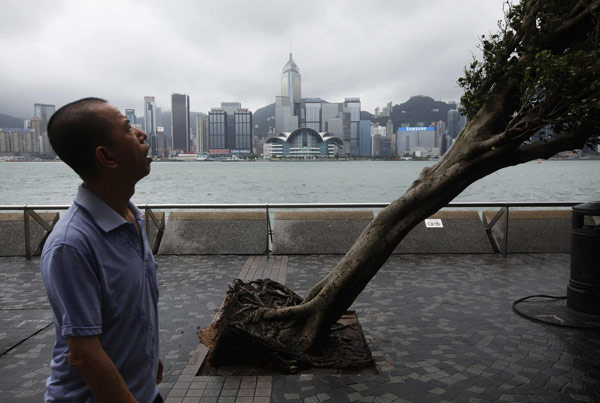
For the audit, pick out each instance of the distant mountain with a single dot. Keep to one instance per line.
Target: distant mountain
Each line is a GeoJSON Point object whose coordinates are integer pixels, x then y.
{"type": "Point", "coordinates": [10, 122]}
{"type": "Point", "coordinates": [263, 119]}
{"type": "Point", "coordinates": [418, 110]}
{"type": "Point", "coordinates": [364, 115]}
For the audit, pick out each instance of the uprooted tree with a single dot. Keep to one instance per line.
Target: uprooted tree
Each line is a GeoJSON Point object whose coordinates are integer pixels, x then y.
{"type": "Point", "coordinates": [541, 69]}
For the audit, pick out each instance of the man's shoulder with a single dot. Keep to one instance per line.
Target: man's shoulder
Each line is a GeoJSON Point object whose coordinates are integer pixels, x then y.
{"type": "Point", "coordinates": [76, 229]}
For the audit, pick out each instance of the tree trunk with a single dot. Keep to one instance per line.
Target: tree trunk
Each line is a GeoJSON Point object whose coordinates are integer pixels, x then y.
{"type": "Point", "coordinates": [299, 328]}
{"type": "Point", "coordinates": [511, 105]}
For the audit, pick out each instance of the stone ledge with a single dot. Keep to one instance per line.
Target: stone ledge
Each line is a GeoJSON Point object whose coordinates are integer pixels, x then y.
{"type": "Point", "coordinates": [215, 233]}
{"type": "Point", "coordinates": [317, 232]}
{"type": "Point", "coordinates": [324, 215]}
{"type": "Point", "coordinates": [462, 232]}
{"type": "Point", "coordinates": [218, 215]}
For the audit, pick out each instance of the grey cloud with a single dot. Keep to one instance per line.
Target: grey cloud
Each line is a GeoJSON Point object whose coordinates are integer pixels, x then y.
{"type": "Point", "coordinates": [234, 50]}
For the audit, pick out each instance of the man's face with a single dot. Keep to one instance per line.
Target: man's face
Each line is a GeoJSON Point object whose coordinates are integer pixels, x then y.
{"type": "Point", "coordinates": [128, 148]}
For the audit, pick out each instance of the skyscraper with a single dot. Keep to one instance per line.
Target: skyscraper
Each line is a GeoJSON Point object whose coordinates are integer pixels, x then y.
{"type": "Point", "coordinates": [313, 113]}
{"type": "Point", "coordinates": [351, 142]}
{"type": "Point", "coordinates": [35, 124]}
{"type": "Point", "coordinates": [365, 138]}
{"type": "Point", "coordinates": [130, 115]}
{"type": "Point", "coordinates": [230, 130]}
{"type": "Point", "coordinates": [242, 131]}
{"type": "Point", "coordinates": [217, 129]}
{"type": "Point", "coordinates": [180, 123]}
{"type": "Point", "coordinates": [202, 134]}
{"type": "Point", "coordinates": [291, 85]}
{"type": "Point", "coordinates": [288, 105]}
{"type": "Point", "coordinates": [453, 123]}
{"type": "Point", "coordinates": [44, 112]}
{"type": "Point", "coordinates": [150, 123]}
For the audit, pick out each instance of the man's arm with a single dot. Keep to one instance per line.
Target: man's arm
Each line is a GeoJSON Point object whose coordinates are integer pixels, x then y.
{"type": "Point", "coordinates": [88, 357]}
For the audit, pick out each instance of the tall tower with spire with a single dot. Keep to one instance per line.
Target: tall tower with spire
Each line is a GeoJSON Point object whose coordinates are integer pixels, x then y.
{"type": "Point", "coordinates": [288, 105]}
{"type": "Point", "coordinates": [291, 85]}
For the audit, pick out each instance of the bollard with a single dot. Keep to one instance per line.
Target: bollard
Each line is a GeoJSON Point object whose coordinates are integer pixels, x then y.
{"type": "Point", "coordinates": [583, 291]}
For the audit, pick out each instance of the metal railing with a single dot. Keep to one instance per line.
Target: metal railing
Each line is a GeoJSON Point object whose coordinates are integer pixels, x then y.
{"type": "Point", "coordinates": [29, 211]}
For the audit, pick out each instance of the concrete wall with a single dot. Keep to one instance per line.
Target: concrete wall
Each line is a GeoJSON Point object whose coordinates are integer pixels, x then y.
{"type": "Point", "coordinates": [215, 233]}
{"type": "Point", "coordinates": [461, 232]}
{"type": "Point", "coordinates": [12, 233]}
{"type": "Point", "coordinates": [533, 231]}
{"type": "Point", "coordinates": [317, 232]}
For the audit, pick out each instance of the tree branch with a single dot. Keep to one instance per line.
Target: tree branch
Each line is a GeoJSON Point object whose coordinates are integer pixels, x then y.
{"type": "Point", "coordinates": [549, 147]}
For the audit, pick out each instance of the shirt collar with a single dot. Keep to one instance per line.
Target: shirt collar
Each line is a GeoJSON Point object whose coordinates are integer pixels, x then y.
{"type": "Point", "coordinates": [104, 216]}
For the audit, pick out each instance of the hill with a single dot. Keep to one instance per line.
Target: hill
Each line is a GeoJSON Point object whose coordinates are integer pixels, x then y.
{"type": "Point", "coordinates": [263, 119]}
{"type": "Point", "coordinates": [10, 122]}
{"type": "Point", "coordinates": [417, 110]}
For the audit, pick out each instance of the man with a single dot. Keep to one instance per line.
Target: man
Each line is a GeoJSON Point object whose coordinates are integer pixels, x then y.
{"type": "Point", "coordinates": [97, 265]}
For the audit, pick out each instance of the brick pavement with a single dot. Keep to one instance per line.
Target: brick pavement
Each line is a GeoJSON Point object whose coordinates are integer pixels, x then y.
{"type": "Point", "coordinates": [440, 328]}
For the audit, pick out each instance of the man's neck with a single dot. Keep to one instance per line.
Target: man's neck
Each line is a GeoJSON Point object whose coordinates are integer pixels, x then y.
{"type": "Point", "coordinates": [115, 196]}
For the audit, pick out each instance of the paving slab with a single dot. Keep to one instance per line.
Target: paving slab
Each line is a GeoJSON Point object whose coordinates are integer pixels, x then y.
{"type": "Point", "coordinates": [440, 327]}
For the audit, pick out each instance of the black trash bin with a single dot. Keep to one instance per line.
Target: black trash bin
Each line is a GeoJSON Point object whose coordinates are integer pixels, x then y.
{"type": "Point", "coordinates": [583, 292]}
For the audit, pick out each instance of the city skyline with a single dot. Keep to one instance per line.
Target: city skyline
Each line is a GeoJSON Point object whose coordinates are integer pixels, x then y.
{"type": "Point", "coordinates": [377, 51]}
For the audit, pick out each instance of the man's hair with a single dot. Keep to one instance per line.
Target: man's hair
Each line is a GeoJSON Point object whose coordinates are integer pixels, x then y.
{"type": "Point", "coordinates": [75, 130]}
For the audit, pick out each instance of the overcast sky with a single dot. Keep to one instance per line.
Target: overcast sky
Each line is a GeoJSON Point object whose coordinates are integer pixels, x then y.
{"type": "Point", "coordinates": [58, 51]}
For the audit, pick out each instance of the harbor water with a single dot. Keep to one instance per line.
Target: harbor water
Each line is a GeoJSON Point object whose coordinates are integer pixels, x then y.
{"type": "Point", "coordinates": [304, 182]}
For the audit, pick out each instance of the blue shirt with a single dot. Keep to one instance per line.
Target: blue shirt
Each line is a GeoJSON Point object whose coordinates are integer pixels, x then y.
{"type": "Point", "coordinates": [100, 277]}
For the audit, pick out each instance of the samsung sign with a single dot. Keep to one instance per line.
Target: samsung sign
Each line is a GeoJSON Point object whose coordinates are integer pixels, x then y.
{"type": "Point", "coordinates": [417, 129]}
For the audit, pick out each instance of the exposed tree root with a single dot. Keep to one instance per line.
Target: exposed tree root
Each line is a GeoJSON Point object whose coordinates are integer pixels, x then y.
{"type": "Point", "coordinates": [246, 333]}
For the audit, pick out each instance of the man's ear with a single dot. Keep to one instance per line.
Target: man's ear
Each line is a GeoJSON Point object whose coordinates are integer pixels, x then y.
{"type": "Point", "coordinates": [104, 157]}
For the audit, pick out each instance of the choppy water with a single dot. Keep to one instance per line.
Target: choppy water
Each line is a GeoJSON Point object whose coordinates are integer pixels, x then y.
{"type": "Point", "coordinates": [299, 182]}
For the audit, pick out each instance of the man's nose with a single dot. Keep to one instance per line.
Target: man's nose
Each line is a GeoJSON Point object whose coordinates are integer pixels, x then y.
{"type": "Point", "coordinates": [142, 136]}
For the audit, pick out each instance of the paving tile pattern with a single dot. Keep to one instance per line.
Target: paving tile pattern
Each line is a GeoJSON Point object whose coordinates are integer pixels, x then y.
{"type": "Point", "coordinates": [440, 327]}
{"type": "Point", "coordinates": [246, 389]}
{"type": "Point", "coordinates": [191, 291]}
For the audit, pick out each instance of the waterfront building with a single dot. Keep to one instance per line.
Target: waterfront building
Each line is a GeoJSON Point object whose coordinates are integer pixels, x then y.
{"type": "Point", "coordinates": [351, 143]}
{"type": "Point", "coordinates": [18, 141]}
{"type": "Point", "coordinates": [130, 115]}
{"type": "Point", "coordinates": [313, 116]}
{"type": "Point", "coordinates": [35, 124]}
{"type": "Point", "coordinates": [453, 123]}
{"type": "Point", "coordinates": [44, 112]}
{"type": "Point", "coordinates": [365, 138]}
{"type": "Point", "coordinates": [288, 104]}
{"type": "Point", "coordinates": [303, 142]}
{"type": "Point", "coordinates": [180, 123]}
{"type": "Point", "coordinates": [150, 123]}
{"type": "Point", "coordinates": [389, 132]}
{"type": "Point", "coordinates": [418, 141]}
{"type": "Point", "coordinates": [230, 130]}
{"type": "Point", "coordinates": [242, 133]}
{"type": "Point", "coordinates": [202, 134]}
{"type": "Point", "coordinates": [162, 143]}
{"type": "Point", "coordinates": [217, 129]}
{"type": "Point", "coordinates": [376, 145]}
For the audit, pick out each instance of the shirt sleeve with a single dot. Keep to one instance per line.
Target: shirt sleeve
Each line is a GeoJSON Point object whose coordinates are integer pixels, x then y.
{"type": "Point", "coordinates": [74, 291]}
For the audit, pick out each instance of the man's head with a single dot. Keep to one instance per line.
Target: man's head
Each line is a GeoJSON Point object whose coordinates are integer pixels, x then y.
{"type": "Point", "coordinates": [89, 135]}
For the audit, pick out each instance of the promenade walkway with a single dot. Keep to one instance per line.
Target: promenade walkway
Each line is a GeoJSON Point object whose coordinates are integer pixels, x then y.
{"type": "Point", "coordinates": [440, 328]}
